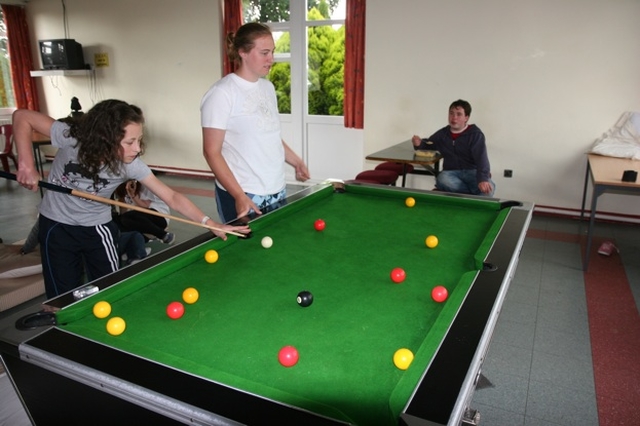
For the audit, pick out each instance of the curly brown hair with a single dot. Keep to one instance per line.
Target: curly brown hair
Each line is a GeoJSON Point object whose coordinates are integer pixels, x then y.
{"type": "Point", "coordinates": [99, 133]}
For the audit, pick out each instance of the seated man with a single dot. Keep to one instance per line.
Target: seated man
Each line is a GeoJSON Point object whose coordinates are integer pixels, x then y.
{"type": "Point", "coordinates": [466, 167]}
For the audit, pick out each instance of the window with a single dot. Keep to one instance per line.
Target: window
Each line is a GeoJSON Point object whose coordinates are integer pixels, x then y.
{"type": "Point", "coordinates": [7, 99]}
{"type": "Point", "coordinates": [309, 57]}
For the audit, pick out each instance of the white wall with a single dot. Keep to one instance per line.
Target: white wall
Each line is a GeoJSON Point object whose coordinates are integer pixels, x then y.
{"type": "Point", "coordinates": [545, 79]}
{"type": "Point", "coordinates": [163, 56]}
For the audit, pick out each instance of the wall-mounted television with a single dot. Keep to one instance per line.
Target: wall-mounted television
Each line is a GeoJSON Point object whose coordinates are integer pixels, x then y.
{"type": "Point", "coordinates": [61, 54]}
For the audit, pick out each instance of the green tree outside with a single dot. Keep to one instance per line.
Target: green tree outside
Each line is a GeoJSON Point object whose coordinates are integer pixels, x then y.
{"type": "Point", "coordinates": [325, 65]}
{"type": "Point", "coordinates": [325, 68]}
{"type": "Point", "coordinates": [280, 76]}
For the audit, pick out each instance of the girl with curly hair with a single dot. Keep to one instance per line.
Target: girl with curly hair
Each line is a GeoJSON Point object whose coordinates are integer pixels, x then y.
{"type": "Point", "coordinates": [96, 153]}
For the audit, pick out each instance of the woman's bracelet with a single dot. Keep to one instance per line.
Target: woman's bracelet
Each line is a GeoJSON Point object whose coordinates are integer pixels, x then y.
{"type": "Point", "coordinates": [204, 220]}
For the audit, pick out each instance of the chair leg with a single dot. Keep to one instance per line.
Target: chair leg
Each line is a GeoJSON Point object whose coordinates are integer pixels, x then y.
{"type": "Point", "coordinates": [5, 162]}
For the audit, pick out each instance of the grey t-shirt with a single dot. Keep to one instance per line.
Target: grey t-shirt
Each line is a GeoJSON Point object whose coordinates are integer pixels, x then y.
{"type": "Point", "coordinates": [66, 171]}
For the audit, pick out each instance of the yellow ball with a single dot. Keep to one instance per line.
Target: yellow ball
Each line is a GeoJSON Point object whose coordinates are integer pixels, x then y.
{"type": "Point", "coordinates": [190, 295]}
{"type": "Point", "coordinates": [410, 201]}
{"type": "Point", "coordinates": [116, 326]}
{"type": "Point", "coordinates": [403, 358]}
{"type": "Point", "coordinates": [431, 241]}
{"type": "Point", "coordinates": [102, 309]}
{"type": "Point", "coordinates": [211, 256]}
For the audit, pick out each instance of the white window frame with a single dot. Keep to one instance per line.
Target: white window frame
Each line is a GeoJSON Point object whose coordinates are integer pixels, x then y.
{"type": "Point", "coordinates": [297, 28]}
{"type": "Point", "coordinates": [299, 123]}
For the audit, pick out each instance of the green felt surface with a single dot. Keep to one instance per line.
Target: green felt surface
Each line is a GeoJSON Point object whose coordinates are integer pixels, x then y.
{"type": "Point", "coordinates": [346, 339]}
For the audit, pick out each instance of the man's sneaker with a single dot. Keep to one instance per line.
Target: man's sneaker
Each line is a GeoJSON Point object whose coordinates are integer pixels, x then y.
{"type": "Point", "coordinates": [607, 248]}
{"type": "Point", "coordinates": [148, 250]}
{"type": "Point", "coordinates": [168, 238]}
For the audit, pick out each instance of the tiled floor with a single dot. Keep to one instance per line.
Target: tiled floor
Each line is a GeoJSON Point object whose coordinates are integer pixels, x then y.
{"type": "Point", "coordinates": [540, 367]}
{"type": "Point", "coordinates": [539, 362]}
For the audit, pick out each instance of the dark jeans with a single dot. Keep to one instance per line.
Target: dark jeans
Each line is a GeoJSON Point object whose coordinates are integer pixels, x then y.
{"type": "Point", "coordinates": [226, 205]}
{"type": "Point", "coordinates": [132, 244]}
{"type": "Point", "coordinates": [144, 223]}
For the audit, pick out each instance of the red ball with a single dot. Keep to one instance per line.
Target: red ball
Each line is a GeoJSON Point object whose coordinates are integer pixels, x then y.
{"type": "Point", "coordinates": [439, 293]}
{"type": "Point", "coordinates": [319, 225]}
{"type": "Point", "coordinates": [398, 275]}
{"type": "Point", "coordinates": [175, 310]}
{"type": "Point", "coordinates": [288, 356]}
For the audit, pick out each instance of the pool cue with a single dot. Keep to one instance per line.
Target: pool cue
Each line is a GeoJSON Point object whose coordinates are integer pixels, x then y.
{"type": "Point", "coordinates": [80, 194]}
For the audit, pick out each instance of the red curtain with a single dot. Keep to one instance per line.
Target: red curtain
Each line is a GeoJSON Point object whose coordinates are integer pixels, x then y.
{"type": "Point", "coordinates": [24, 88]}
{"type": "Point", "coordinates": [231, 22]}
{"type": "Point", "coordinates": [354, 64]}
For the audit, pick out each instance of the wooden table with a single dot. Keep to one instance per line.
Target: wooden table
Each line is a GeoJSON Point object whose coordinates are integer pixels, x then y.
{"type": "Point", "coordinates": [605, 174]}
{"type": "Point", "coordinates": [38, 139]}
{"type": "Point", "coordinates": [404, 153]}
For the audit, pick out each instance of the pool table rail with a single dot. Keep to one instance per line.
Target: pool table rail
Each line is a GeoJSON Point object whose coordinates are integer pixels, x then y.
{"type": "Point", "coordinates": [445, 386]}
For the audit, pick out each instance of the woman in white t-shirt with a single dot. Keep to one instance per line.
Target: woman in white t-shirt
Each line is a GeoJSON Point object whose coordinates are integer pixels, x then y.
{"type": "Point", "coordinates": [241, 129]}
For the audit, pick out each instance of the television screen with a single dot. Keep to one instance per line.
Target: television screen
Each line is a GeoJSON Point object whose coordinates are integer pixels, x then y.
{"type": "Point", "coordinates": [61, 54]}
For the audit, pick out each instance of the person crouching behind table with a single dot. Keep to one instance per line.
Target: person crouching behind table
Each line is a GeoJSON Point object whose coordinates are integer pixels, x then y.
{"type": "Point", "coordinates": [466, 168]}
{"type": "Point", "coordinates": [134, 193]}
{"type": "Point", "coordinates": [96, 153]}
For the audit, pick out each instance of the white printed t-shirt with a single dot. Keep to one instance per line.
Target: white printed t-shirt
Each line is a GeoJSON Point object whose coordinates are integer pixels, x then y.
{"type": "Point", "coordinates": [66, 172]}
{"type": "Point", "coordinates": [252, 147]}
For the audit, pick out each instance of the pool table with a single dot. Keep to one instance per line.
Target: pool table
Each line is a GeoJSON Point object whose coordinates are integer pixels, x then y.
{"type": "Point", "coordinates": [218, 363]}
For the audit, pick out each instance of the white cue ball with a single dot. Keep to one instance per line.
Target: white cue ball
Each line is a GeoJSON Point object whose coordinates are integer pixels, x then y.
{"type": "Point", "coordinates": [267, 242]}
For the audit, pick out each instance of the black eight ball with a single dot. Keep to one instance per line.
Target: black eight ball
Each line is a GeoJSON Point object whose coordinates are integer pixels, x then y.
{"type": "Point", "coordinates": [305, 298]}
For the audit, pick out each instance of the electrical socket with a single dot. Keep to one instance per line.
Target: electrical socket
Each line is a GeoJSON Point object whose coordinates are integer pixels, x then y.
{"type": "Point", "coordinates": [508, 173]}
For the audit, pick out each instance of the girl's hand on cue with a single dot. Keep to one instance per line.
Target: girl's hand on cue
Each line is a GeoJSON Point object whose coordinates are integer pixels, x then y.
{"type": "Point", "coordinates": [28, 178]}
